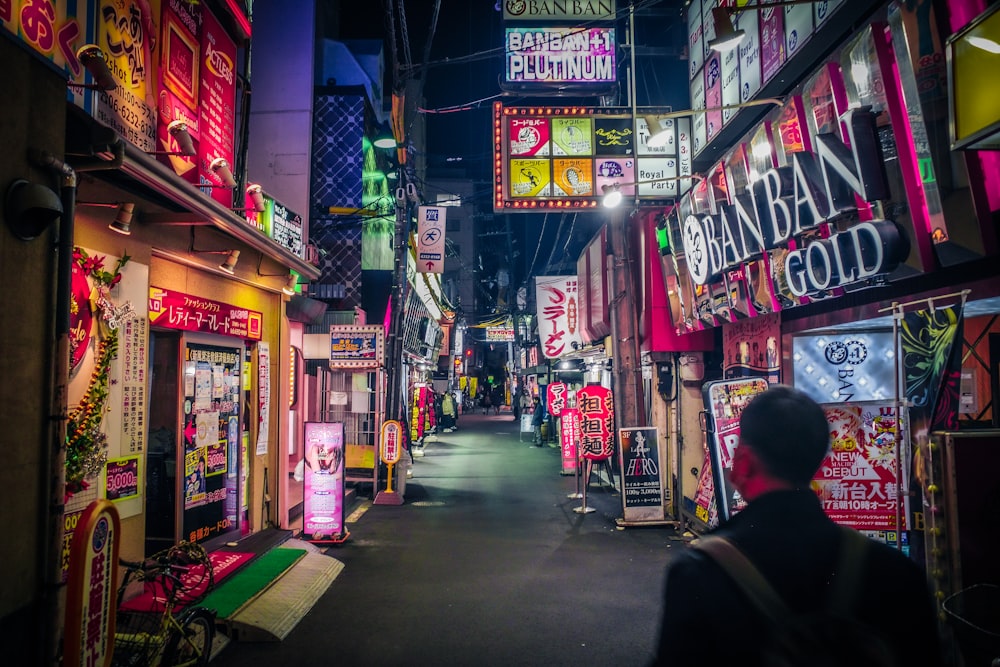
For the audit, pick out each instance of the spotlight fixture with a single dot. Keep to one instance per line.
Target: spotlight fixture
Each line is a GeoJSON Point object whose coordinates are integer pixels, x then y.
{"type": "Point", "coordinates": [229, 265]}
{"type": "Point", "coordinates": [727, 37]}
{"type": "Point", "coordinates": [178, 130]}
{"type": "Point", "coordinates": [385, 139]}
{"type": "Point", "coordinates": [30, 209]}
{"type": "Point", "coordinates": [220, 167]}
{"type": "Point", "coordinates": [658, 135]}
{"type": "Point", "coordinates": [123, 220]}
{"type": "Point", "coordinates": [256, 196]}
{"type": "Point", "coordinates": [93, 59]}
{"type": "Point", "coordinates": [123, 216]}
{"type": "Point", "coordinates": [290, 284]}
{"type": "Point", "coordinates": [613, 193]}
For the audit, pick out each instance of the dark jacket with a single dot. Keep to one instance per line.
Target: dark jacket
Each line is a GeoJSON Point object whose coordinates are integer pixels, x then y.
{"type": "Point", "coordinates": [706, 621]}
{"type": "Point", "coordinates": [538, 416]}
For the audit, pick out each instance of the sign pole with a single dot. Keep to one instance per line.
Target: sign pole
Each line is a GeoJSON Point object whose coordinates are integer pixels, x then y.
{"type": "Point", "coordinates": [390, 448]}
{"type": "Point", "coordinates": [584, 508]}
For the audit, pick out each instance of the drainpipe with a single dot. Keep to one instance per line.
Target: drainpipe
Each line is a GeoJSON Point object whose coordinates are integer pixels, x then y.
{"type": "Point", "coordinates": [54, 591]}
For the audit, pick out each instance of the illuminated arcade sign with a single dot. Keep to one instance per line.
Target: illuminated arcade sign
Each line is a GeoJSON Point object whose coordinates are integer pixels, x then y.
{"type": "Point", "coordinates": [563, 157]}
{"type": "Point", "coordinates": [558, 10]}
{"type": "Point", "coordinates": [500, 334]}
{"type": "Point", "coordinates": [560, 55]}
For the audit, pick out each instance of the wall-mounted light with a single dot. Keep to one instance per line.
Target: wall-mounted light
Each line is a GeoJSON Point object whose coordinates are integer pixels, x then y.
{"type": "Point", "coordinates": [93, 59]}
{"type": "Point", "coordinates": [613, 193]}
{"type": "Point", "coordinates": [658, 135]}
{"type": "Point", "coordinates": [727, 37]}
{"type": "Point", "coordinates": [123, 216]}
{"type": "Point", "coordinates": [220, 167]}
{"type": "Point", "coordinates": [229, 264]}
{"type": "Point", "coordinates": [290, 284]}
{"type": "Point", "coordinates": [256, 196]}
{"type": "Point", "coordinates": [178, 130]}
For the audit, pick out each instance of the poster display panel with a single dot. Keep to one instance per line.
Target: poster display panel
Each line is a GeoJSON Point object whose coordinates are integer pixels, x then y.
{"type": "Point", "coordinates": [642, 487]}
{"type": "Point", "coordinates": [357, 346]}
{"type": "Point", "coordinates": [323, 482]}
{"type": "Point", "coordinates": [725, 401]}
{"type": "Point", "coordinates": [211, 431]}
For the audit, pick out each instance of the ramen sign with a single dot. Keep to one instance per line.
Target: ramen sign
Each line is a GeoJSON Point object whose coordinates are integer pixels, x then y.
{"type": "Point", "coordinates": [597, 422]}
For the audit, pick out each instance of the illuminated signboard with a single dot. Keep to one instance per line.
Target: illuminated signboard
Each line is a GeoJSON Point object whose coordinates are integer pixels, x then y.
{"type": "Point", "coordinates": [277, 222]}
{"type": "Point", "coordinates": [559, 10]}
{"type": "Point", "coordinates": [565, 157]}
{"type": "Point", "coordinates": [560, 55]}
{"type": "Point", "coordinates": [500, 334]}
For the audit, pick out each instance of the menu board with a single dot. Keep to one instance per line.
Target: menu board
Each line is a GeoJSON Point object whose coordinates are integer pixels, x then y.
{"type": "Point", "coordinates": [642, 489]}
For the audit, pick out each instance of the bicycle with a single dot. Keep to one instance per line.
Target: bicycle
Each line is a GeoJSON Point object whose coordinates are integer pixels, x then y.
{"type": "Point", "coordinates": [157, 635]}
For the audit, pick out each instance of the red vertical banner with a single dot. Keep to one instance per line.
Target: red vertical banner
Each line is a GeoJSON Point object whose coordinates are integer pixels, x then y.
{"type": "Point", "coordinates": [180, 65]}
{"type": "Point", "coordinates": [597, 422]}
{"type": "Point", "coordinates": [216, 103]}
{"type": "Point", "coordinates": [555, 398]}
{"type": "Point", "coordinates": [569, 436]}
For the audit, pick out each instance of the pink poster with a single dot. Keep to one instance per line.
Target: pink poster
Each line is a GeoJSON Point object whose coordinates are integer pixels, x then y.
{"type": "Point", "coordinates": [529, 137]}
{"type": "Point", "coordinates": [323, 482]}
{"type": "Point", "coordinates": [217, 103]}
{"type": "Point", "coordinates": [569, 432]}
{"type": "Point", "coordinates": [713, 94]}
{"type": "Point", "coordinates": [858, 481]}
{"type": "Point", "coordinates": [180, 61]}
{"type": "Point", "coordinates": [772, 42]}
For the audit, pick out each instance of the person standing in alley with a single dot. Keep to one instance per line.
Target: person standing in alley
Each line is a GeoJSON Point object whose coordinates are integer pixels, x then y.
{"type": "Point", "coordinates": [785, 534]}
{"type": "Point", "coordinates": [537, 417]}
{"type": "Point", "coordinates": [447, 412]}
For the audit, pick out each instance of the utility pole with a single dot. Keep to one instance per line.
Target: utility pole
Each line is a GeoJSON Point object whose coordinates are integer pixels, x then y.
{"type": "Point", "coordinates": [394, 345]}
{"type": "Point", "coordinates": [627, 360]}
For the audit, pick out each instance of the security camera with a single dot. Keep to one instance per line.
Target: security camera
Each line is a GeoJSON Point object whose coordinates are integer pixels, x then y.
{"type": "Point", "coordinates": [92, 57]}
{"type": "Point", "coordinates": [30, 209]}
{"type": "Point", "coordinates": [256, 196]}
{"type": "Point", "coordinates": [220, 167]}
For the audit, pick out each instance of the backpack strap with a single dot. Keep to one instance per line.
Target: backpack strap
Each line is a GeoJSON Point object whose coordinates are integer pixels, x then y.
{"type": "Point", "coordinates": [755, 586]}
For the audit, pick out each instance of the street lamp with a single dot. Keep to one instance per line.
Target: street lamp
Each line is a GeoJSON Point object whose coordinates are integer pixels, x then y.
{"type": "Point", "coordinates": [613, 193]}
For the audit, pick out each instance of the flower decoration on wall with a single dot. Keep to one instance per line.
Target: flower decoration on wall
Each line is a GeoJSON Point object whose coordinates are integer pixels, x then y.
{"type": "Point", "coordinates": [86, 443]}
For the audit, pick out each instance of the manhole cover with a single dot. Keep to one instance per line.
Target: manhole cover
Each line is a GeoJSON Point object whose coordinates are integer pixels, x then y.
{"type": "Point", "coordinates": [428, 503]}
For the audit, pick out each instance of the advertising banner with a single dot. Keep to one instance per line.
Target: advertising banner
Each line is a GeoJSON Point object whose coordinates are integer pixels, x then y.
{"type": "Point", "coordinates": [357, 346]}
{"type": "Point", "coordinates": [216, 102]}
{"type": "Point", "coordinates": [597, 422]}
{"type": "Point", "coordinates": [323, 482]}
{"type": "Point", "coordinates": [121, 478]}
{"type": "Point", "coordinates": [263, 397]}
{"type": "Point", "coordinates": [560, 55]}
{"type": "Point", "coordinates": [431, 228]}
{"type": "Point", "coordinates": [558, 314]}
{"type": "Point", "coordinates": [594, 10]}
{"type": "Point", "coordinates": [845, 367]}
{"type": "Point", "coordinates": [180, 77]}
{"type": "Point", "coordinates": [569, 438]}
{"type": "Point", "coordinates": [176, 310]}
{"type": "Point", "coordinates": [858, 480]}
{"type": "Point", "coordinates": [752, 348]}
{"type": "Point", "coordinates": [724, 402]}
{"type": "Point", "coordinates": [642, 489]}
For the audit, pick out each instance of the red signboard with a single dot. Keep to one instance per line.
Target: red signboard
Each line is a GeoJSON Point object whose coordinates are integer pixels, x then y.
{"type": "Point", "coordinates": [217, 101]}
{"type": "Point", "coordinates": [597, 422]}
{"type": "Point", "coordinates": [556, 398]}
{"type": "Point", "coordinates": [176, 310]}
{"type": "Point", "coordinates": [569, 431]}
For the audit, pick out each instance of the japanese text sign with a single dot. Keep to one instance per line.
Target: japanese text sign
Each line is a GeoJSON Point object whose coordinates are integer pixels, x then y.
{"type": "Point", "coordinates": [176, 310]}
{"type": "Point", "coordinates": [597, 422]}
{"type": "Point", "coordinates": [391, 442]}
{"type": "Point", "coordinates": [558, 314]}
{"type": "Point", "coordinates": [430, 239]}
{"type": "Point", "coordinates": [556, 398]}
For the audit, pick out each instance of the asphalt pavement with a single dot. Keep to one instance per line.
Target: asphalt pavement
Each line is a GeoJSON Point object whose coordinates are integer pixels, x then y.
{"type": "Point", "coordinates": [485, 563]}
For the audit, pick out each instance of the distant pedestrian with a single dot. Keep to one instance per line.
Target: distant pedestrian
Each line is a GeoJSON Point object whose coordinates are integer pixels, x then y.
{"type": "Point", "coordinates": [486, 402]}
{"type": "Point", "coordinates": [447, 412]}
{"type": "Point", "coordinates": [537, 417]}
{"type": "Point", "coordinates": [785, 534]}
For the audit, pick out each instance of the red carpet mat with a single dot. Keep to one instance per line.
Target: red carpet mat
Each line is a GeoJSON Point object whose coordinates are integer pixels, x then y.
{"type": "Point", "coordinates": [224, 564]}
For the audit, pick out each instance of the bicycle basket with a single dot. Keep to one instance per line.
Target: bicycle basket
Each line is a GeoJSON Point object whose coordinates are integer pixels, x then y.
{"type": "Point", "coordinates": [195, 578]}
{"type": "Point", "coordinates": [975, 619]}
{"type": "Point", "coordinates": [138, 639]}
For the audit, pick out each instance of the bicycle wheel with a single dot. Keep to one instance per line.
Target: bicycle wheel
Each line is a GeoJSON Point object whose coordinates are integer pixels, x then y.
{"type": "Point", "coordinates": [192, 647]}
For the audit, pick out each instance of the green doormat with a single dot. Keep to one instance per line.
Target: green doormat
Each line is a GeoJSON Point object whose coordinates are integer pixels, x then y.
{"type": "Point", "coordinates": [243, 586]}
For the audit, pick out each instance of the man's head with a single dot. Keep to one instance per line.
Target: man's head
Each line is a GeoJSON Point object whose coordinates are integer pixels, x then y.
{"type": "Point", "coordinates": [788, 435]}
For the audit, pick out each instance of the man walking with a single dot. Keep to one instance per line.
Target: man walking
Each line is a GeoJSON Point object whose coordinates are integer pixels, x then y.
{"type": "Point", "coordinates": [784, 532]}
{"type": "Point", "coordinates": [537, 417]}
